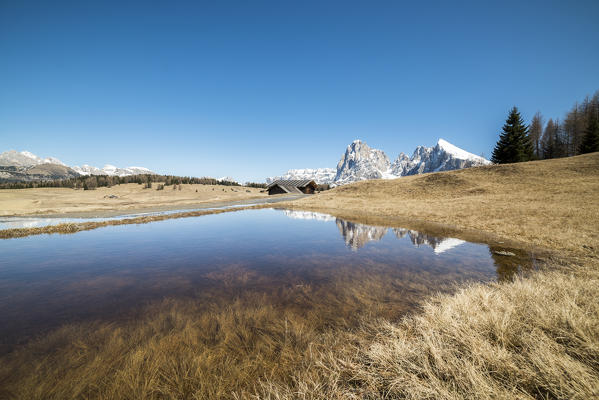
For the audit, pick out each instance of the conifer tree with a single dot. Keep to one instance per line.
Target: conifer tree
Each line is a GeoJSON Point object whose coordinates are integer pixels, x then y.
{"type": "Point", "coordinates": [514, 144]}
{"type": "Point", "coordinates": [535, 131]}
{"type": "Point", "coordinates": [590, 142]}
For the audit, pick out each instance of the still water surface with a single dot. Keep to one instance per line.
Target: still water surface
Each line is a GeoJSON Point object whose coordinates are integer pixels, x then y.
{"type": "Point", "coordinates": [301, 258]}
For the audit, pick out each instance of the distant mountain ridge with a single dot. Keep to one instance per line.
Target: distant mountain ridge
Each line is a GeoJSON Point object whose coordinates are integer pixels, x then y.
{"type": "Point", "coordinates": [26, 166]}
{"type": "Point", "coordinates": [319, 175]}
{"type": "Point", "coordinates": [25, 159]}
{"type": "Point", "coordinates": [361, 162]}
{"type": "Point", "coordinates": [111, 170]}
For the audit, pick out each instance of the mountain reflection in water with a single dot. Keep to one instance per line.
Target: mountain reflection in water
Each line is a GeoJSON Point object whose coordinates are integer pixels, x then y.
{"type": "Point", "coordinates": [358, 235]}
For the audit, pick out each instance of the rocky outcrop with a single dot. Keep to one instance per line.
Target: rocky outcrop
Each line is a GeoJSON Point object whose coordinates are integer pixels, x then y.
{"type": "Point", "coordinates": [360, 162]}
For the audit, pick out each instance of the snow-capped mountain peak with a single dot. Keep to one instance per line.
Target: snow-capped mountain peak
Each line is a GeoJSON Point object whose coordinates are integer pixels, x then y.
{"type": "Point", "coordinates": [25, 159]}
{"type": "Point", "coordinates": [443, 157]}
{"type": "Point", "coordinates": [360, 162]}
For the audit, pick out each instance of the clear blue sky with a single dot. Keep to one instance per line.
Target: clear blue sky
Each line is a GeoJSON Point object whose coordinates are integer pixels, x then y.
{"type": "Point", "coordinates": [251, 88]}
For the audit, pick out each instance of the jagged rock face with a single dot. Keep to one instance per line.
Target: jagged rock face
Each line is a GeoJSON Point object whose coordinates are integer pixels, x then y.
{"type": "Point", "coordinates": [321, 176]}
{"type": "Point", "coordinates": [361, 162]}
{"type": "Point", "coordinates": [400, 164]}
{"type": "Point", "coordinates": [357, 235]}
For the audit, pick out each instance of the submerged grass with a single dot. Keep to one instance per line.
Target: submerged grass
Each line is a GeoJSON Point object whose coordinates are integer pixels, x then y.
{"type": "Point", "coordinates": [208, 346]}
{"type": "Point", "coordinates": [179, 350]}
{"type": "Point", "coordinates": [529, 338]}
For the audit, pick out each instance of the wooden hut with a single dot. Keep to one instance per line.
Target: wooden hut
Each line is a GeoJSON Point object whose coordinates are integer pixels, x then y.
{"type": "Point", "coordinates": [292, 187]}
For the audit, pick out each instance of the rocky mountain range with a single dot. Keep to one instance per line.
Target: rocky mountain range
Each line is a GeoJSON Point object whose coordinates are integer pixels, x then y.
{"type": "Point", "coordinates": [26, 166]}
{"type": "Point", "coordinates": [361, 162]}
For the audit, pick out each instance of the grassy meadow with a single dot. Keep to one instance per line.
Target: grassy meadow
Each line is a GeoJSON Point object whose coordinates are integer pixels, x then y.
{"type": "Point", "coordinates": [531, 337]}
{"type": "Point", "coordinates": [125, 198]}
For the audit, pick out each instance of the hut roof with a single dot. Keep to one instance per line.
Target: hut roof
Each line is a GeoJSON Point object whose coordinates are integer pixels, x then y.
{"type": "Point", "coordinates": [291, 186]}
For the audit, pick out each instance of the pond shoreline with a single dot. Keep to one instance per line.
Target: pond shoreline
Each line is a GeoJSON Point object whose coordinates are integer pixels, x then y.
{"type": "Point", "coordinates": [435, 228]}
{"type": "Point", "coordinates": [85, 226]}
{"type": "Point", "coordinates": [117, 212]}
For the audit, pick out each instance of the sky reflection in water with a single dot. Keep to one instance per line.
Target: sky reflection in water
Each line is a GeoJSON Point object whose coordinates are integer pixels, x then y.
{"type": "Point", "coordinates": [109, 273]}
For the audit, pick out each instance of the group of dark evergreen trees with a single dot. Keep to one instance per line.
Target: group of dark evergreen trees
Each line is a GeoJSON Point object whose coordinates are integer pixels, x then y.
{"type": "Point", "coordinates": [94, 181]}
{"type": "Point", "coordinates": [256, 185]}
{"type": "Point", "coordinates": [577, 134]}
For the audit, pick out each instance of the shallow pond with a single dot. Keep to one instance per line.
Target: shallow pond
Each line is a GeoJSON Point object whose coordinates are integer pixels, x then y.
{"type": "Point", "coordinates": [308, 261]}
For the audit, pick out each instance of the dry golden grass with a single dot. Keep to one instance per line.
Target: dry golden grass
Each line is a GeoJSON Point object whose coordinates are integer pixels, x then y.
{"type": "Point", "coordinates": [531, 338]}
{"type": "Point", "coordinates": [130, 197]}
{"type": "Point", "coordinates": [535, 338]}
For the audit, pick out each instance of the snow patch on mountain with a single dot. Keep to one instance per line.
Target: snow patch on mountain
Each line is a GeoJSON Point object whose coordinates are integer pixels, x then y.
{"type": "Point", "coordinates": [459, 153]}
